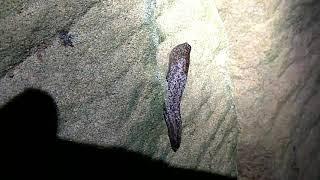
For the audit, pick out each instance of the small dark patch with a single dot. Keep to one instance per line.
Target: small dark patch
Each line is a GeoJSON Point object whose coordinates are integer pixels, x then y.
{"type": "Point", "coordinates": [66, 38]}
{"type": "Point", "coordinates": [40, 50]}
{"type": "Point", "coordinates": [10, 70]}
{"type": "Point", "coordinates": [11, 75]}
{"type": "Point", "coordinates": [318, 79]}
{"type": "Point", "coordinates": [162, 37]}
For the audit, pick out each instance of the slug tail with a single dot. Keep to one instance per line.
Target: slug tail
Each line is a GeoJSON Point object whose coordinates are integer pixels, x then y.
{"type": "Point", "coordinates": [174, 129]}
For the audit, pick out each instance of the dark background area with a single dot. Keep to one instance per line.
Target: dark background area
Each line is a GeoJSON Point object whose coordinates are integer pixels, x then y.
{"type": "Point", "coordinates": [31, 148]}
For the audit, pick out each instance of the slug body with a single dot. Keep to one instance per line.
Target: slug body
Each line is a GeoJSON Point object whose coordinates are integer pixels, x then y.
{"type": "Point", "coordinates": [179, 61]}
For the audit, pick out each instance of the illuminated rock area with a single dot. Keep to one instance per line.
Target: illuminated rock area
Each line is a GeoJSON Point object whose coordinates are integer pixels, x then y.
{"type": "Point", "coordinates": [275, 68]}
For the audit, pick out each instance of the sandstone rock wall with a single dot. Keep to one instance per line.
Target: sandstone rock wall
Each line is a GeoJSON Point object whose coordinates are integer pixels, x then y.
{"type": "Point", "coordinates": [109, 87]}
{"type": "Point", "coordinates": [274, 47]}
{"type": "Point", "coordinates": [253, 62]}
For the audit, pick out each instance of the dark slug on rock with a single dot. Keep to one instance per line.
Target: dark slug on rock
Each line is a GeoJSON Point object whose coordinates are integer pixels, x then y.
{"type": "Point", "coordinates": [179, 61]}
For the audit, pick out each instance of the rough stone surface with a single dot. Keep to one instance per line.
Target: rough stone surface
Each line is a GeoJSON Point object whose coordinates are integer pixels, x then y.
{"type": "Point", "coordinates": [27, 26]}
{"type": "Point", "coordinates": [208, 114]}
{"type": "Point", "coordinates": [109, 87]}
{"type": "Point", "coordinates": [275, 69]}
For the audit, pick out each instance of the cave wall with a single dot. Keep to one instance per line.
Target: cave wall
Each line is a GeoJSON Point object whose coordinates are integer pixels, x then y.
{"type": "Point", "coordinates": [274, 52]}
{"type": "Point", "coordinates": [254, 63]}
{"type": "Point", "coordinates": [109, 88]}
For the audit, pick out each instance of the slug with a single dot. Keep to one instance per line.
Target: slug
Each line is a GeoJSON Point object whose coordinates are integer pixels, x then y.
{"type": "Point", "coordinates": [179, 60]}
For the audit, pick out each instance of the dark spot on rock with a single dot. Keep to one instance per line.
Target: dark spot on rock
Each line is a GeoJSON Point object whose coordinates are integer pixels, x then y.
{"type": "Point", "coordinates": [66, 38]}
{"type": "Point", "coordinates": [318, 80]}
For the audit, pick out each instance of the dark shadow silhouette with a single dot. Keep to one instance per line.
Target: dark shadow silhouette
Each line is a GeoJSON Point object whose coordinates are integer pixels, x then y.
{"type": "Point", "coordinates": [29, 125]}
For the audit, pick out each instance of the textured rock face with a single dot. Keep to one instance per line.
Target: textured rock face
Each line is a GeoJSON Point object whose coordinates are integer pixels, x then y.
{"type": "Point", "coordinates": [110, 86]}
{"type": "Point", "coordinates": [208, 113]}
{"type": "Point", "coordinates": [275, 69]}
{"type": "Point", "coordinates": [29, 26]}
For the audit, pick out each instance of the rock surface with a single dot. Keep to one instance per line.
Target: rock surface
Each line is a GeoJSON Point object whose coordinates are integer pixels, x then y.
{"type": "Point", "coordinates": [109, 87]}
{"type": "Point", "coordinates": [274, 52]}
{"type": "Point", "coordinates": [29, 26]}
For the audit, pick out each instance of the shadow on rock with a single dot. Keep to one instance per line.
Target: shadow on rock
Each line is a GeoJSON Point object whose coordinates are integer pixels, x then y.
{"type": "Point", "coordinates": [29, 125]}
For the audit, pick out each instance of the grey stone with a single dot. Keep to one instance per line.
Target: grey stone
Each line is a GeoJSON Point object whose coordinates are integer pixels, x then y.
{"type": "Point", "coordinates": [274, 52]}
{"type": "Point", "coordinates": [109, 87]}
{"type": "Point", "coordinates": [27, 26]}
